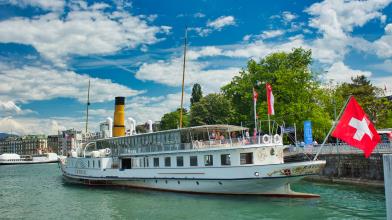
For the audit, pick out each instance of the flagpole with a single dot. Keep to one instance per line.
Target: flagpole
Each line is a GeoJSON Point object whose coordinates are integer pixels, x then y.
{"type": "Point", "coordinates": [333, 127]}
{"type": "Point", "coordinates": [183, 76]}
{"type": "Point", "coordinates": [254, 111]}
{"type": "Point", "coordinates": [269, 124]}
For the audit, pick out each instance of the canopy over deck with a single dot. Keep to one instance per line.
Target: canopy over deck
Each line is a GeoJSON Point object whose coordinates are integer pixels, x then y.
{"type": "Point", "coordinates": [225, 128]}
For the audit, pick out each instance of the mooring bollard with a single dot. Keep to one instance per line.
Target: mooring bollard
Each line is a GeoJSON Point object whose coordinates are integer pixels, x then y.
{"type": "Point", "coordinates": [387, 161]}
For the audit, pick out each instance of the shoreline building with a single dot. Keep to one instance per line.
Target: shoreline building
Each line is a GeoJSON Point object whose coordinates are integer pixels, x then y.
{"type": "Point", "coordinates": [54, 144]}
{"type": "Point", "coordinates": [24, 145]}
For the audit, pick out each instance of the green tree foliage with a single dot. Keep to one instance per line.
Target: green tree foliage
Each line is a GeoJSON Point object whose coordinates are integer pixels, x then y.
{"type": "Point", "coordinates": [171, 120]}
{"type": "Point", "coordinates": [211, 109]}
{"type": "Point", "coordinates": [370, 97]}
{"type": "Point", "coordinates": [298, 96]}
{"type": "Point", "coordinates": [197, 93]}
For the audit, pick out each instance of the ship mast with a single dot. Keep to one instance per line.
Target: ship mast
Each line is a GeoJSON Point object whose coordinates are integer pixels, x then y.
{"type": "Point", "coordinates": [183, 77]}
{"type": "Point", "coordinates": [88, 104]}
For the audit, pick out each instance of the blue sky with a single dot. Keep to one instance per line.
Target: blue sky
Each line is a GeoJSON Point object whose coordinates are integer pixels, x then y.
{"type": "Point", "coordinates": [49, 49]}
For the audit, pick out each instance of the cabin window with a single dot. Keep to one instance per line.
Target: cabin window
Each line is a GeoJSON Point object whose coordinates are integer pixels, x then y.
{"type": "Point", "coordinates": [156, 162]}
{"type": "Point", "coordinates": [180, 161]}
{"type": "Point", "coordinates": [88, 164]}
{"type": "Point", "coordinates": [225, 159]}
{"type": "Point", "coordinates": [99, 164]}
{"type": "Point", "coordinates": [246, 158]}
{"type": "Point", "coordinates": [167, 162]}
{"type": "Point", "coordinates": [208, 160]}
{"type": "Point", "coordinates": [145, 162]}
{"type": "Point", "coordinates": [126, 163]}
{"type": "Point", "coordinates": [93, 163]}
{"type": "Point", "coordinates": [193, 161]}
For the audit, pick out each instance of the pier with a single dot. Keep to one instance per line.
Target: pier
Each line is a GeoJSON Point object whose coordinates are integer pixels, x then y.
{"type": "Point", "coordinates": [345, 163]}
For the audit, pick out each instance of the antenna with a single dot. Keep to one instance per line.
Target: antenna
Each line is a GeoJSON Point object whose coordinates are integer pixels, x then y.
{"type": "Point", "coordinates": [183, 77]}
{"type": "Point", "coordinates": [88, 104]}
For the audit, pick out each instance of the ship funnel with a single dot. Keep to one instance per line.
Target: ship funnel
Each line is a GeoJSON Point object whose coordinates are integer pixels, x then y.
{"type": "Point", "coordinates": [119, 117]}
{"type": "Point", "coordinates": [149, 126]}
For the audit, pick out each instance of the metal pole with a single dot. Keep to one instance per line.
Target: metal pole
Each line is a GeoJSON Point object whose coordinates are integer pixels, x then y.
{"type": "Point", "coordinates": [269, 125]}
{"type": "Point", "coordinates": [88, 103]}
{"type": "Point", "coordinates": [183, 78]}
{"type": "Point", "coordinates": [387, 161]}
{"type": "Point", "coordinates": [295, 134]}
{"type": "Point", "coordinates": [254, 110]}
{"type": "Point", "coordinates": [333, 126]}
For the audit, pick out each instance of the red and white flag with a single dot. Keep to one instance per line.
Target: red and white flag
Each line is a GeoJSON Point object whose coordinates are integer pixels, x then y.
{"type": "Point", "coordinates": [255, 95]}
{"type": "Point", "coordinates": [355, 128]}
{"type": "Point", "coordinates": [270, 99]}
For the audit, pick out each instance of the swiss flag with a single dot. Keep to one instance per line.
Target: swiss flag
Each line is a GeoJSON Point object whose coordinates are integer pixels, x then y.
{"type": "Point", "coordinates": [270, 99]}
{"type": "Point", "coordinates": [355, 128]}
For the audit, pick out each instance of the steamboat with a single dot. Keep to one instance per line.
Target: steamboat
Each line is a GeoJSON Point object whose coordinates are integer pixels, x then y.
{"type": "Point", "coordinates": [209, 159]}
{"type": "Point", "coordinates": [12, 159]}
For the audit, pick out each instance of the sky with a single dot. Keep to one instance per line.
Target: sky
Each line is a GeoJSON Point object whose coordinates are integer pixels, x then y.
{"type": "Point", "coordinates": [50, 49]}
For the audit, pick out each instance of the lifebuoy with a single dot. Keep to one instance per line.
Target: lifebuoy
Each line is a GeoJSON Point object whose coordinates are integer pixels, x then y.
{"type": "Point", "coordinates": [266, 139]}
{"type": "Point", "coordinates": [108, 151]}
{"type": "Point", "coordinates": [277, 139]}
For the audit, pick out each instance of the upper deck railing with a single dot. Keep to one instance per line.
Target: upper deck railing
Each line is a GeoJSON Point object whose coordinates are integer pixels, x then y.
{"type": "Point", "coordinates": [197, 145]}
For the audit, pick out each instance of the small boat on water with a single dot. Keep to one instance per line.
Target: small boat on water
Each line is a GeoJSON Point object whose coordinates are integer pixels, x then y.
{"type": "Point", "coordinates": [210, 159]}
{"type": "Point", "coordinates": [11, 159]}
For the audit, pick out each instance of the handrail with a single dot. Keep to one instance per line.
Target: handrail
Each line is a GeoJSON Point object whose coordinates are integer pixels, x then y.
{"type": "Point", "coordinates": [85, 147]}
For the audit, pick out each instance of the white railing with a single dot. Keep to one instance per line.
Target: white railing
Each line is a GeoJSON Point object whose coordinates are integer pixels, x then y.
{"type": "Point", "coordinates": [382, 148]}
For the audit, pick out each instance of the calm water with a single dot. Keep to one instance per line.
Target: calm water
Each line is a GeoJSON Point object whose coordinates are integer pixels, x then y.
{"type": "Point", "coordinates": [38, 192]}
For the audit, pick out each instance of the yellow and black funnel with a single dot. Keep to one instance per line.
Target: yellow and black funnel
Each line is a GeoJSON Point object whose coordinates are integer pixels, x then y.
{"type": "Point", "coordinates": [119, 117]}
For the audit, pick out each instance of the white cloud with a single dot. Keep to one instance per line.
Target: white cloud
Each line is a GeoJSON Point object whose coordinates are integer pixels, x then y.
{"type": "Point", "coordinates": [24, 126]}
{"type": "Point", "coordinates": [199, 15]}
{"type": "Point", "coordinates": [80, 32]}
{"type": "Point", "coordinates": [288, 16]}
{"type": "Point", "coordinates": [271, 34]}
{"type": "Point", "coordinates": [384, 66]}
{"type": "Point", "coordinates": [30, 83]}
{"type": "Point", "coordinates": [221, 22]}
{"type": "Point", "coordinates": [339, 73]}
{"type": "Point", "coordinates": [383, 82]}
{"type": "Point", "coordinates": [52, 5]}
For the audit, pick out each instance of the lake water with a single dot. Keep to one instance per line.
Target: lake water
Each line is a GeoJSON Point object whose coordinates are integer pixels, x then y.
{"type": "Point", "coordinates": [38, 192]}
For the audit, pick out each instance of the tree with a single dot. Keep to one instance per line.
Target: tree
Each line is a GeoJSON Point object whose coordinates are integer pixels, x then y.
{"type": "Point", "coordinates": [370, 97]}
{"type": "Point", "coordinates": [211, 109]}
{"type": "Point", "coordinates": [197, 93]}
{"type": "Point", "coordinates": [297, 92]}
{"type": "Point", "coordinates": [171, 120]}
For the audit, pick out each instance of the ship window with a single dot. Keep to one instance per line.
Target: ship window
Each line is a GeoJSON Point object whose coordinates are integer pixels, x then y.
{"type": "Point", "coordinates": [88, 163]}
{"type": "Point", "coordinates": [180, 161]}
{"type": "Point", "coordinates": [246, 158]}
{"type": "Point", "coordinates": [193, 161]}
{"type": "Point", "coordinates": [208, 160]}
{"type": "Point", "coordinates": [99, 164]}
{"type": "Point", "coordinates": [156, 162]}
{"type": "Point", "coordinates": [93, 163]}
{"type": "Point", "coordinates": [225, 159]}
{"type": "Point", "coordinates": [145, 162]}
{"type": "Point", "coordinates": [167, 162]}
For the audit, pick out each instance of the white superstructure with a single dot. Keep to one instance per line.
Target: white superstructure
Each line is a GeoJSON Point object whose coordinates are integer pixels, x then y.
{"type": "Point", "coordinates": [205, 159]}
{"type": "Point", "coordinates": [10, 159]}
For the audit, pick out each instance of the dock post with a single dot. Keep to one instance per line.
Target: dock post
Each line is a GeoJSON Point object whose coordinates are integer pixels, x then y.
{"type": "Point", "coordinates": [387, 161]}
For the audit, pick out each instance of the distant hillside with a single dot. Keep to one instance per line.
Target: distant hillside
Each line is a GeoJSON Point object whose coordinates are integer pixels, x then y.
{"type": "Point", "coordinates": [4, 135]}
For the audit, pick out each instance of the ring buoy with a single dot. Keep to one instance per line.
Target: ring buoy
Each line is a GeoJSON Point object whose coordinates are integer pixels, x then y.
{"type": "Point", "coordinates": [277, 139]}
{"type": "Point", "coordinates": [266, 139]}
{"type": "Point", "coordinates": [108, 151]}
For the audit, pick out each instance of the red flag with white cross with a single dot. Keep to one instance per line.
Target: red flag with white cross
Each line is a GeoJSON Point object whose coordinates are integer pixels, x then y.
{"type": "Point", "coordinates": [356, 129]}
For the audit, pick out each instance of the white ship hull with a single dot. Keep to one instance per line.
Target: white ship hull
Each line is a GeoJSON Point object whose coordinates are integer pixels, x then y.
{"type": "Point", "coordinates": [16, 159]}
{"type": "Point", "coordinates": [268, 180]}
